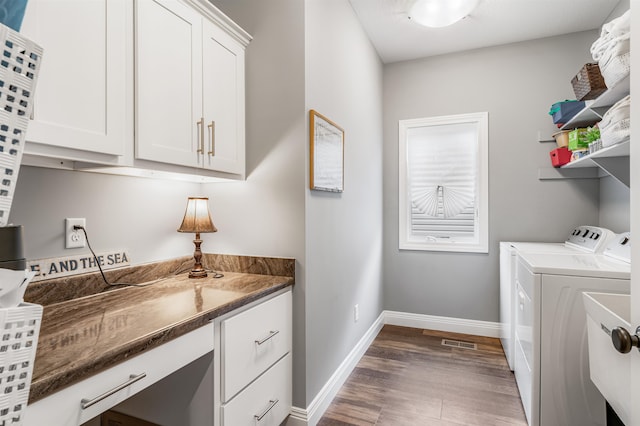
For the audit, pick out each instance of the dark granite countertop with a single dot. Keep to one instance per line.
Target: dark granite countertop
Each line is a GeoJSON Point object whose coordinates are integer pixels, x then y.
{"type": "Point", "coordinates": [84, 335]}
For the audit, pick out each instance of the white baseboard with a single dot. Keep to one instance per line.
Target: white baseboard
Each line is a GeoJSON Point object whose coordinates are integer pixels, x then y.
{"type": "Point", "coordinates": [432, 322]}
{"type": "Point", "coordinates": [312, 414]}
{"type": "Point", "coordinates": [298, 417]}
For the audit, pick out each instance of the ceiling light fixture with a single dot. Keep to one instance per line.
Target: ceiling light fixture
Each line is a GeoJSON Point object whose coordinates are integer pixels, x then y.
{"type": "Point", "coordinates": [440, 13]}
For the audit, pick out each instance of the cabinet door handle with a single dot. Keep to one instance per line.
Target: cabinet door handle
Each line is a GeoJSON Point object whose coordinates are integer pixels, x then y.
{"type": "Point", "coordinates": [212, 139]}
{"type": "Point", "coordinates": [86, 403]}
{"type": "Point", "coordinates": [272, 403]}
{"type": "Point", "coordinates": [201, 136]}
{"type": "Point", "coordinates": [271, 334]}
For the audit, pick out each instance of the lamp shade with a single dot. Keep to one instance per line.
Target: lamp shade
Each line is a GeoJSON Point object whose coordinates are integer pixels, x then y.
{"type": "Point", "coordinates": [440, 13]}
{"type": "Point", "coordinates": [196, 217]}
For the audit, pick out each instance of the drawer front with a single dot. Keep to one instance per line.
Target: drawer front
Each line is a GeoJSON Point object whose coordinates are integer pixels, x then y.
{"type": "Point", "coordinates": [267, 402]}
{"type": "Point", "coordinates": [254, 340]}
{"type": "Point", "coordinates": [64, 408]}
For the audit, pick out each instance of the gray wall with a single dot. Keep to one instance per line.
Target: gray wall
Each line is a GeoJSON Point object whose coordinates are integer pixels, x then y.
{"type": "Point", "coordinates": [343, 231]}
{"type": "Point", "coordinates": [265, 214]}
{"type": "Point", "coordinates": [516, 84]}
{"type": "Point", "coordinates": [136, 214]}
{"type": "Point", "coordinates": [296, 63]}
{"type": "Point", "coordinates": [614, 205]}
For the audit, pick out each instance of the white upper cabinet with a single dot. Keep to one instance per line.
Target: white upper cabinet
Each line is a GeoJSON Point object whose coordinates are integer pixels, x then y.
{"type": "Point", "coordinates": [81, 96]}
{"type": "Point", "coordinates": [139, 87]}
{"type": "Point", "coordinates": [223, 100]}
{"type": "Point", "coordinates": [189, 88]}
{"type": "Point", "coordinates": [168, 66]}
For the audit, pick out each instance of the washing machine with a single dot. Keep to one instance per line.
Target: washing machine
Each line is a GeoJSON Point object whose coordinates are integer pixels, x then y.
{"type": "Point", "coordinates": [582, 239]}
{"type": "Point", "coordinates": [551, 363]}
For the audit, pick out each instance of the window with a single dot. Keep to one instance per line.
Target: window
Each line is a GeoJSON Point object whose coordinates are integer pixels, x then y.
{"type": "Point", "coordinates": [443, 191]}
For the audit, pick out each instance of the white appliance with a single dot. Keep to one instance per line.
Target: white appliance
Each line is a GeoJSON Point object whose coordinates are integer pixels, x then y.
{"type": "Point", "coordinates": [551, 361]}
{"type": "Point", "coordinates": [583, 239]}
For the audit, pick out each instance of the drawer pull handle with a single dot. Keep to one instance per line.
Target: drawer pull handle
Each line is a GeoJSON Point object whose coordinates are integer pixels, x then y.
{"type": "Point", "coordinates": [271, 334]}
{"type": "Point", "coordinates": [272, 403]}
{"type": "Point", "coordinates": [86, 403]}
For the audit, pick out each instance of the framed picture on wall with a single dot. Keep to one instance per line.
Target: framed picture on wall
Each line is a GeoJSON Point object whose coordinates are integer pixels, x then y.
{"type": "Point", "coordinates": [326, 154]}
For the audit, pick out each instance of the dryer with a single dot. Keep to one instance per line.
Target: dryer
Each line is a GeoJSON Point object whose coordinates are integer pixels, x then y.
{"type": "Point", "coordinates": [582, 239]}
{"type": "Point", "coordinates": [551, 362]}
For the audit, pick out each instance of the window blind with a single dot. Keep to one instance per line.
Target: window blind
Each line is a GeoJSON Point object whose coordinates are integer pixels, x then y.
{"type": "Point", "coordinates": [442, 169]}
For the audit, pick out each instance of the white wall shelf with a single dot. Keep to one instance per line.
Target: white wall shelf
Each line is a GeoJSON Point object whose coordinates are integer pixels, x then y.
{"type": "Point", "coordinates": [618, 150]}
{"type": "Point", "coordinates": [556, 173]}
{"type": "Point", "coordinates": [594, 111]}
{"type": "Point", "coordinates": [611, 161]}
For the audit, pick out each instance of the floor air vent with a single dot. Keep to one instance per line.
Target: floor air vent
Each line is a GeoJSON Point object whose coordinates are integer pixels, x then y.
{"type": "Point", "coordinates": [459, 344]}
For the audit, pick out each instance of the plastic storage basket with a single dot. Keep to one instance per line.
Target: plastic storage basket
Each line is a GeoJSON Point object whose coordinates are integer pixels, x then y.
{"type": "Point", "coordinates": [561, 112]}
{"type": "Point", "coordinates": [615, 126]}
{"type": "Point", "coordinates": [19, 66]}
{"type": "Point", "coordinates": [19, 328]}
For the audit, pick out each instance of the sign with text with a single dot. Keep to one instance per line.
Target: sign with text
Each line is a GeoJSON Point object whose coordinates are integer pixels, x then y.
{"type": "Point", "coordinates": [80, 264]}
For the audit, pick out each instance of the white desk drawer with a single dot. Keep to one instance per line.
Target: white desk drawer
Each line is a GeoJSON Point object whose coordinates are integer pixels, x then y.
{"type": "Point", "coordinates": [267, 402]}
{"type": "Point", "coordinates": [64, 407]}
{"type": "Point", "coordinates": [252, 341]}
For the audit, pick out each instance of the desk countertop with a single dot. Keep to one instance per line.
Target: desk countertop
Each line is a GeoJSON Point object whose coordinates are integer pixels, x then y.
{"type": "Point", "coordinates": [83, 336]}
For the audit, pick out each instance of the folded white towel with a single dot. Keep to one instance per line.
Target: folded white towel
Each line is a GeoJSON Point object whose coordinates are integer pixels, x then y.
{"type": "Point", "coordinates": [613, 33]}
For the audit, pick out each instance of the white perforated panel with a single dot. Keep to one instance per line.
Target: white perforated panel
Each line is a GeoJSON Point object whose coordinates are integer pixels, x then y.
{"type": "Point", "coordinates": [19, 66]}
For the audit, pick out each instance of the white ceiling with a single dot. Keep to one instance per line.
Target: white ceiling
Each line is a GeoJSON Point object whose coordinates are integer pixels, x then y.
{"type": "Point", "coordinates": [493, 22]}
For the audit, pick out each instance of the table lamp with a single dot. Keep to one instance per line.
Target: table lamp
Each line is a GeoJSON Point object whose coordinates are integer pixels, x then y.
{"type": "Point", "coordinates": [197, 220]}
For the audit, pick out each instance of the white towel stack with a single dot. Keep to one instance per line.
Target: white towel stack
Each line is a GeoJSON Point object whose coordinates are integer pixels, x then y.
{"type": "Point", "coordinates": [612, 50]}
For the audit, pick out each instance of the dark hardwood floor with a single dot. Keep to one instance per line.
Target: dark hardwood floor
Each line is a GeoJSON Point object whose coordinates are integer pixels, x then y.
{"type": "Point", "coordinates": [407, 377]}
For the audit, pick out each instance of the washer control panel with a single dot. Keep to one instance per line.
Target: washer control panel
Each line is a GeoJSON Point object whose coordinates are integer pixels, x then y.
{"type": "Point", "coordinates": [592, 239]}
{"type": "Point", "coordinates": [620, 247]}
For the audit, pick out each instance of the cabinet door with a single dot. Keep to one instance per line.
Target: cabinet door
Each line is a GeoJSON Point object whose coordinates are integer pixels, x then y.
{"type": "Point", "coordinates": [223, 100]}
{"type": "Point", "coordinates": [80, 97]}
{"type": "Point", "coordinates": [168, 82]}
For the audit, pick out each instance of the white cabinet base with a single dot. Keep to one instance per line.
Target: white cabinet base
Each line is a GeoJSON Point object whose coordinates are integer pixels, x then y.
{"type": "Point", "coordinates": [266, 402]}
{"type": "Point", "coordinates": [254, 340]}
{"type": "Point", "coordinates": [63, 408]}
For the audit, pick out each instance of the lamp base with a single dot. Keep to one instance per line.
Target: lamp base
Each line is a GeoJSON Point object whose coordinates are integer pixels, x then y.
{"type": "Point", "coordinates": [197, 273]}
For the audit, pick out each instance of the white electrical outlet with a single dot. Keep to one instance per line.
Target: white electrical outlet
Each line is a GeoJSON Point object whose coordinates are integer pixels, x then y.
{"type": "Point", "coordinates": [74, 238]}
{"type": "Point", "coordinates": [356, 313]}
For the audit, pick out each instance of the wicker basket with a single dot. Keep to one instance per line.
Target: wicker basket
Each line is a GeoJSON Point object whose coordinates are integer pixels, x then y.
{"type": "Point", "coordinates": [19, 330]}
{"type": "Point", "coordinates": [588, 83]}
{"type": "Point", "coordinates": [19, 66]}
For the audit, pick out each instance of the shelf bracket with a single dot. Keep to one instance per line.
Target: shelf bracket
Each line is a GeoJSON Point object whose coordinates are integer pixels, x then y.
{"type": "Point", "coordinates": [617, 167]}
{"type": "Point", "coordinates": [544, 139]}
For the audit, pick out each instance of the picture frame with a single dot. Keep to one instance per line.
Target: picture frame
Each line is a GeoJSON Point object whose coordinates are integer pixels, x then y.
{"type": "Point", "coordinates": [326, 140]}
